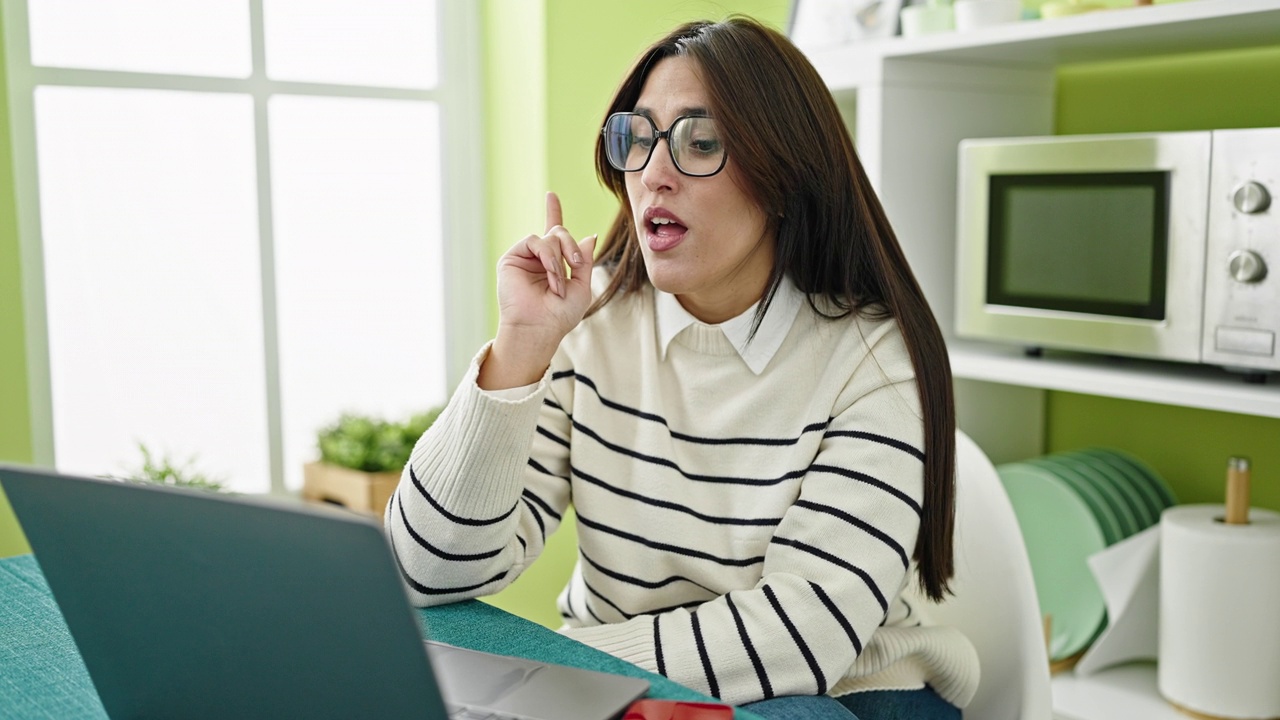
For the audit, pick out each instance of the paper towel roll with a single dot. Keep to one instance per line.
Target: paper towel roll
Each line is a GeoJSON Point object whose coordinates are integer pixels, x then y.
{"type": "Point", "coordinates": [1220, 612]}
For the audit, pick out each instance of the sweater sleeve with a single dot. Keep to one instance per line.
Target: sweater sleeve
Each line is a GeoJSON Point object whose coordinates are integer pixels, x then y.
{"type": "Point", "coordinates": [472, 511]}
{"type": "Point", "coordinates": [831, 569]}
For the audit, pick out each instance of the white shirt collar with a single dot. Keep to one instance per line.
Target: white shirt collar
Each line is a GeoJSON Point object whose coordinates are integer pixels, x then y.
{"type": "Point", "coordinates": [673, 318]}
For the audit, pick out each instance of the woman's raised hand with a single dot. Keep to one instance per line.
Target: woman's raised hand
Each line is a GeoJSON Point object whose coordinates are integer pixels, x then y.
{"type": "Point", "coordinates": [538, 301]}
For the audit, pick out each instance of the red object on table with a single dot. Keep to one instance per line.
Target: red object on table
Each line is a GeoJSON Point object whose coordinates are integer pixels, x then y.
{"type": "Point", "coordinates": [648, 709]}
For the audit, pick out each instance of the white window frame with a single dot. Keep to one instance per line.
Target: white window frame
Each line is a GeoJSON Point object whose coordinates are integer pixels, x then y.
{"type": "Point", "coordinates": [459, 95]}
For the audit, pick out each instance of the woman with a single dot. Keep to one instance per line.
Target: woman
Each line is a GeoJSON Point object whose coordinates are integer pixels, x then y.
{"type": "Point", "coordinates": [753, 420]}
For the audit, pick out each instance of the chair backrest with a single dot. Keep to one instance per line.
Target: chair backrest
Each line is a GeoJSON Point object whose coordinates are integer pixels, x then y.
{"type": "Point", "coordinates": [994, 601]}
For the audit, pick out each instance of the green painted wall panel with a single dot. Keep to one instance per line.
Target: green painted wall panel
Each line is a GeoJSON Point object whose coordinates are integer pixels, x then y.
{"type": "Point", "coordinates": [12, 541]}
{"type": "Point", "coordinates": [1227, 89]}
{"type": "Point", "coordinates": [1187, 446]}
{"type": "Point", "coordinates": [15, 422]}
{"type": "Point", "coordinates": [515, 126]}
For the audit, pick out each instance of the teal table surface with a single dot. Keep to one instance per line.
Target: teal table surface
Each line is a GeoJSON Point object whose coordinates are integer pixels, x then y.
{"type": "Point", "coordinates": [42, 676]}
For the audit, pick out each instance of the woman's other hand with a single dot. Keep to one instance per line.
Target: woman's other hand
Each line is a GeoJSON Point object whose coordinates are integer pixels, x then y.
{"type": "Point", "coordinates": [539, 302]}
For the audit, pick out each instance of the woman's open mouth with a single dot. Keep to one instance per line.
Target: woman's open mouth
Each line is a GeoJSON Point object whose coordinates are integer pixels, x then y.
{"type": "Point", "coordinates": [662, 229]}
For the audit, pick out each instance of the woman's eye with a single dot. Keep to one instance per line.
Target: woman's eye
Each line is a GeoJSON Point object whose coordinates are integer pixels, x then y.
{"type": "Point", "coordinates": [708, 146]}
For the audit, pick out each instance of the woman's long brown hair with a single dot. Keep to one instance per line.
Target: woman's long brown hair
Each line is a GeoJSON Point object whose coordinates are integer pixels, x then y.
{"type": "Point", "coordinates": [792, 154]}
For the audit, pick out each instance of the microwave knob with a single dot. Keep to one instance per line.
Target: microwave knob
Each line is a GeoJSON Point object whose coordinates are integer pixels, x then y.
{"type": "Point", "coordinates": [1251, 197]}
{"type": "Point", "coordinates": [1246, 266]}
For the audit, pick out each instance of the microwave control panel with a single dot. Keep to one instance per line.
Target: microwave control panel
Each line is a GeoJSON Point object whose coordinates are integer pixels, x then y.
{"type": "Point", "coordinates": [1242, 263]}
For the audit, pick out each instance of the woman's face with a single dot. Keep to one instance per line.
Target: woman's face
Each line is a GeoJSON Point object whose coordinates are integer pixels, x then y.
{"type": "Point", "coordinates": [711, 248]}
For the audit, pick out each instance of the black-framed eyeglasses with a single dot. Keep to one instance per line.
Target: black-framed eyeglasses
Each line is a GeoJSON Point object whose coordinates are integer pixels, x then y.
{"type": "Point", "coordinates": [693, 140]}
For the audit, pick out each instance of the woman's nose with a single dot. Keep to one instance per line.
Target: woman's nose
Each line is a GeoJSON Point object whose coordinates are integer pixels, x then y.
{"type": "Point", "coordinates": [661, 172]}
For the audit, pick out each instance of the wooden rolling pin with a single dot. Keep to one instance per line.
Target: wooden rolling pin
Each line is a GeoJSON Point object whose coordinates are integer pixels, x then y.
{"type": "Point", "coordinates": [1237, 491]}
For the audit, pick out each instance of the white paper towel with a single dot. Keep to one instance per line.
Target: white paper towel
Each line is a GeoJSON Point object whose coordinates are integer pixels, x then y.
{"type": "Point", "coordinates": [1220, 612]}
{"type": "Point", "coordinates": [1128, 574]}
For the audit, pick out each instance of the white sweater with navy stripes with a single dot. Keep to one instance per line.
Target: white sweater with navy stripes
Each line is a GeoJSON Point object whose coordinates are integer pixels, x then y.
{"type": "Point", "coordinates": [746, 535]}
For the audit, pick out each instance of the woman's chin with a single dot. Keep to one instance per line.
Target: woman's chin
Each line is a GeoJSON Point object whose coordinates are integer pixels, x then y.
{"type": "Point", "coordinates": [668, 279]}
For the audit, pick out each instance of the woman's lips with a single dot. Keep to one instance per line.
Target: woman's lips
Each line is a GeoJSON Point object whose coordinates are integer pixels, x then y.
{"type": "Point", "coordinates": [664, 237]}
{"type": "Point", "coordinates": [662, 229]}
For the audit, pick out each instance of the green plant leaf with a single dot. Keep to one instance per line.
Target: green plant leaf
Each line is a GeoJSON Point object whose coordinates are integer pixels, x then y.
{"type": "Point", "coordinates": [161, 470]}
{"type": "Point", "coordinates": [372, 444]}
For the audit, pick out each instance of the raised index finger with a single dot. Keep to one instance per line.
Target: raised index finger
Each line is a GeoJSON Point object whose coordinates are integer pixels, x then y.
{"type": "Point", "coordinates": [554, 216]}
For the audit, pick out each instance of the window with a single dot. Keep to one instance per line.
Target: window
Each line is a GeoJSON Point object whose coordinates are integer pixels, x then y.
{"type": "Point", "coordinates": [234, 221]}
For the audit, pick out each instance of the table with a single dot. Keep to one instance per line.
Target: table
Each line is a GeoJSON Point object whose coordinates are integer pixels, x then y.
{"type": "Point", "coordinates": [42, 676]}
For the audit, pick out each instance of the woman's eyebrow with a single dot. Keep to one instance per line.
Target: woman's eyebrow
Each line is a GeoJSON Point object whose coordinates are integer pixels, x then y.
{"type": "Point", "coordinates": [682, 112]}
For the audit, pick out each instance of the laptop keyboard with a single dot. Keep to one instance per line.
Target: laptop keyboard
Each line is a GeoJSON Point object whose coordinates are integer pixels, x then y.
{"type": "Point", "coordinates": [462, 713]}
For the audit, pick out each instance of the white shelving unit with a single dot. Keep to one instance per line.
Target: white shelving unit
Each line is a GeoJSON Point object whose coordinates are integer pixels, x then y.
{"type": "Point", "coordinates": [1197, 386]}
{"type": "Point", "coordinates": [910, 101]}
{"type": "Point", "coordinates": [1125, 692]}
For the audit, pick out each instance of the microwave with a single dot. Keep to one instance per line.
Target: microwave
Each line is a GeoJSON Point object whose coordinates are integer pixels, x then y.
{"type": "Point", "coordinates": [1153, 245]}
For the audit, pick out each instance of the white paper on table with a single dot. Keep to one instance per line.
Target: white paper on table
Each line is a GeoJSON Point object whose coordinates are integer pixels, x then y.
{"type": "Point", "coordinates": [1128, 574]}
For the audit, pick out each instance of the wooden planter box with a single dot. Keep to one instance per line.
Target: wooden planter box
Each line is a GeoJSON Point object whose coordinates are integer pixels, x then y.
{"type": "Point", "coordinates": [353, 489]}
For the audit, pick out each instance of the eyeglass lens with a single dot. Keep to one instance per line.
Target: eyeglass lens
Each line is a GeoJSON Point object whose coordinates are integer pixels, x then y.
{"type": "Point", "coordinates": [694, 143]}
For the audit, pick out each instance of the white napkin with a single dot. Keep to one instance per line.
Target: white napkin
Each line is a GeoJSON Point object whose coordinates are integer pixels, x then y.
{"type": "Point", "coordinates": [1128, 574]}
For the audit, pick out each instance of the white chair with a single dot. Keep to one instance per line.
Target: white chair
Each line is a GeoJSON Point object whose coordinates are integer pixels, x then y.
{"type": "Point", "coordinates": [994, 603]}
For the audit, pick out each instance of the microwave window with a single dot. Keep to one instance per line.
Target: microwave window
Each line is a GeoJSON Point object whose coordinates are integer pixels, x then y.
{"type": "Point", "coordinates": [1088, 243]}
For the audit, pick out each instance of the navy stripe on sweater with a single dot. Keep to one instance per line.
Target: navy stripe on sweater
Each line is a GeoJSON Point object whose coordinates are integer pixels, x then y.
{"type": "Point", "coordinates": [717, 519]}
{"type": "Point", "coordinates": [428, 590]}
{"type": "Point", "coordinates": [542, 526]}
{"type": "Point", "coordinates": [626, 615]}
{"type": "Point", "coordinates": [540, 468]}
{"type": "Point", "coordinates": [839, 616]}
{"type": "Point", "coordinates": [450, 516]}
{"type": "Point", "coordinates": [818, 678]}
{"type": "Point", "coordinates": [679, 606]}
{"type": "Point", "coordinates": [728, 480]}
{"type": "Point", "coordinates": [702, 655]}
{"type": "Point", "coordinates": [766, 687]}
{"type": "Point", "coordinates": [422, 542]}
{"type": "Point", "coordinates": [671, 464]}
{"type": "Point", "coordinates": [864, 526]}
{"type": "Point", "coordinates": [898, 444]}
{"type": "Point", "coordinates": [647, 611]}
{"type": "Point", "coordinates": [701, 440]}
{"type": "Point", "coordinates": [871, 584]}
{"type": "Point", "coordinates": [863, 477]}
{"type": "Point", "coordinates": [551, 436]}
{"type": "Point", "coordinates": [732, 562]}
{"type": "Point", "coordinates": [586, 603]}
{"type": "Point", "coordinates": [657, 646]}
{"type": "Point", "coordinates": [631, 580]}
{"type": "Point", "coordinates": [541, 503]}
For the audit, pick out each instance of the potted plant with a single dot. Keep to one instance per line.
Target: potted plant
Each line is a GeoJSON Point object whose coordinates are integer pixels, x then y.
{"type": "Point", "coordinates": [162, 471]}
{"type": "Point", "coordinates": [361, 459]}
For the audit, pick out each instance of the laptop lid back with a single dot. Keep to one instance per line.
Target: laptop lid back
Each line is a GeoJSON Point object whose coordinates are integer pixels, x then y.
{"type": "Point", "coordinates": [189, 604]}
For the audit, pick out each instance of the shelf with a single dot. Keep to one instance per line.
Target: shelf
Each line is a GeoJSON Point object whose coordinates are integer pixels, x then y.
{"type": "Point", "coordinates": [909, 101]}
{"type": "Point", "coordinates": [1198, 386]}
{"type": "Point", "coordinates": [1117, 34]}
{"type": "Point", "coordinates": [1123, 692]}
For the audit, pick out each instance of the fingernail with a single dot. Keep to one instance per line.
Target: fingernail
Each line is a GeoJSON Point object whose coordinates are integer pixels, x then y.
{"type": "Point", "coordinates": [577, 258]}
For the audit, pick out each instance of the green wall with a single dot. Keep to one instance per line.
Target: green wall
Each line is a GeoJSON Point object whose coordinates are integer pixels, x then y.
{"type": "Point", "coordinates": [15, 425]}
{"type": "Point", "coordinates": [1188, 447]}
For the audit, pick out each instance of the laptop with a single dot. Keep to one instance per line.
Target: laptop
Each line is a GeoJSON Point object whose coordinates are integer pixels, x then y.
{"type": "Point", "coordinates": [191, 604]}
